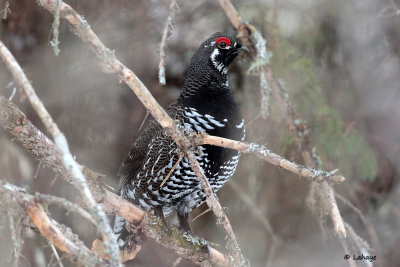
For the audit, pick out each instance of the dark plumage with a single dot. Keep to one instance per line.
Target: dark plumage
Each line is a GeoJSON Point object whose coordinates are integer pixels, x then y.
{"type": "Point", "coordinates": [205, 105]}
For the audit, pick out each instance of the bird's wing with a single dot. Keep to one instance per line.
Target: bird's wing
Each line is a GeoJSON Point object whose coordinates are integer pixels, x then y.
{"type": "Point", "coordinates": [139, 152]}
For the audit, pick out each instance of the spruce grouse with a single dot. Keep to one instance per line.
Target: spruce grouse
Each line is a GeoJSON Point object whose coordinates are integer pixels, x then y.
{"type": "Point", "coordinates": [205, 105]}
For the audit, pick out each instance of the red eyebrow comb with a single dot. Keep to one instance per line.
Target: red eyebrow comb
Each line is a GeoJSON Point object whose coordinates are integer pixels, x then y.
{"type": "Point", "coordinates": [223, 39]}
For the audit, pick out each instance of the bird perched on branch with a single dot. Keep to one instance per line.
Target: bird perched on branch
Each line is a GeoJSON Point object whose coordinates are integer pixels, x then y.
{"type": "Point", "coordinates": [155, 175]}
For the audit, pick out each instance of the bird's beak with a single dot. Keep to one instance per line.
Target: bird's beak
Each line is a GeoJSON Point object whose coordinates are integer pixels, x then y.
{"type": "Point", "coordinates": [243, 48]}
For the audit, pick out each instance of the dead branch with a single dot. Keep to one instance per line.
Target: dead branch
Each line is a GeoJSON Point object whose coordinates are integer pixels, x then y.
{"type": "Point", "coordinates": [6, 10]}
{"type": "Point", "coordinates": [185, 245]}
{"type": "Point", "coordinates": [49, 199]}
{"type": "Point", "coordinates": [55, 253]}
{"type": "Point", "coordinates": [357, 243]}
{"type": "Point", "coordinates": [47, 226]}
{"type": "Point", "coordinates": [181, 155]}
{"type": "Point", "coordinates": [267, 155]}
{"type": "Point", "coordinates": [163, 45]}
{"type": "Point", "coordinates": [30, 137]}
{"type": "Point", "coordinates": [16, 235]}
{"type": "Point", "coordinates": [334, 212]}
{"type": "Point", "coordinates": [232, 14]}
{"type": "Point", "coordinates": [62, 146]}
{"type": "Point", "coordinates": [370, 228]}
{"type": "Point", "coordinates": [56, 30]}
{"type": "Point", "coordinates": [347, 250]}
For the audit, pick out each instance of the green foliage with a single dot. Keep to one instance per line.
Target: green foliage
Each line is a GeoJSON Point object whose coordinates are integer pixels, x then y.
{"type": "Point", "coordinates": [347, 149]}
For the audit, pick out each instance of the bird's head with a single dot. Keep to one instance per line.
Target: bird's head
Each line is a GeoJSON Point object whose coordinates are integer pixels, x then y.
{"type": "Point", "coordinates": [220, 50]}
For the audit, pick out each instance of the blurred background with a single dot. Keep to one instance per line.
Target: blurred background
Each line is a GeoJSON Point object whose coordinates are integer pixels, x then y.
{"type": "Point", "coordinates": [339, 62]}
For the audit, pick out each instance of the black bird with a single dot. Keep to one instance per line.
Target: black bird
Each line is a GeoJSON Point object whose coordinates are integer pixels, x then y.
{"type": "Point", "coordinates": [205, 105]}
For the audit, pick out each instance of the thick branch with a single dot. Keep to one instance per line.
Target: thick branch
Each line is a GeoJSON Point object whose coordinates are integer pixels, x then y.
{"type": "Point", "coordinates": [13, 120]}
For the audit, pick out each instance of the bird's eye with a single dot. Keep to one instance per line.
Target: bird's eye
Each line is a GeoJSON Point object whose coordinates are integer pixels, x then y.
{"type": "Point", "coordinates": [222, 45]}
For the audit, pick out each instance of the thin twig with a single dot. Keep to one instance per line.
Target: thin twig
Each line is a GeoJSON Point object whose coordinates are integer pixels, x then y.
{"type": "Point", "coordinates": [66, 204]}
{"type": "Point", "coordinates": [144, 120]}
{"type": "Point", "coordinates": [61, 142]}
{"type": "Point", "coordinates": [15, 238]}
{"type": "Point", "coordinates": [351, 205]}
{"type": "Point", "coordinates": [358, 244]}
{"type": "Point", "coordinates": [15, 121]}
{"type": "Point", "coordinates": [173, 168]}
{"type": "Point", "coordinates": [371, 230]}
{"type": "Point", "coordinates": [55, 254]}
{"type": "Point", "coordinates": [5, 10]}
{"type": "Point", "coordinates": [177, 261]}
{"type": "Point", "coordinates": [37, 170]}
{"type": "Point", "coordinates": [12, 94]}
{"type": "Point", "coordinates": [273, 247]}
{"type": "Point", "coordinates": [163, 45]}
{"type": "Point", "coordinates": [334, 212]}
{"type": "Point", "coordinates": [201, 214]}
{"type": "Point", "coordinates": [56, 29]}
{"type": "Point", "coordinates": [347, 251]}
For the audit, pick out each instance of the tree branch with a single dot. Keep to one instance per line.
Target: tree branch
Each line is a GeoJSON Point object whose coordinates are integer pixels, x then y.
{"type": "Point", "coordinates": [64, 203]}
{"type": "Point", "coordinates": [265, 154]}
{"type": "Point", "coordinates": [163, 45]}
